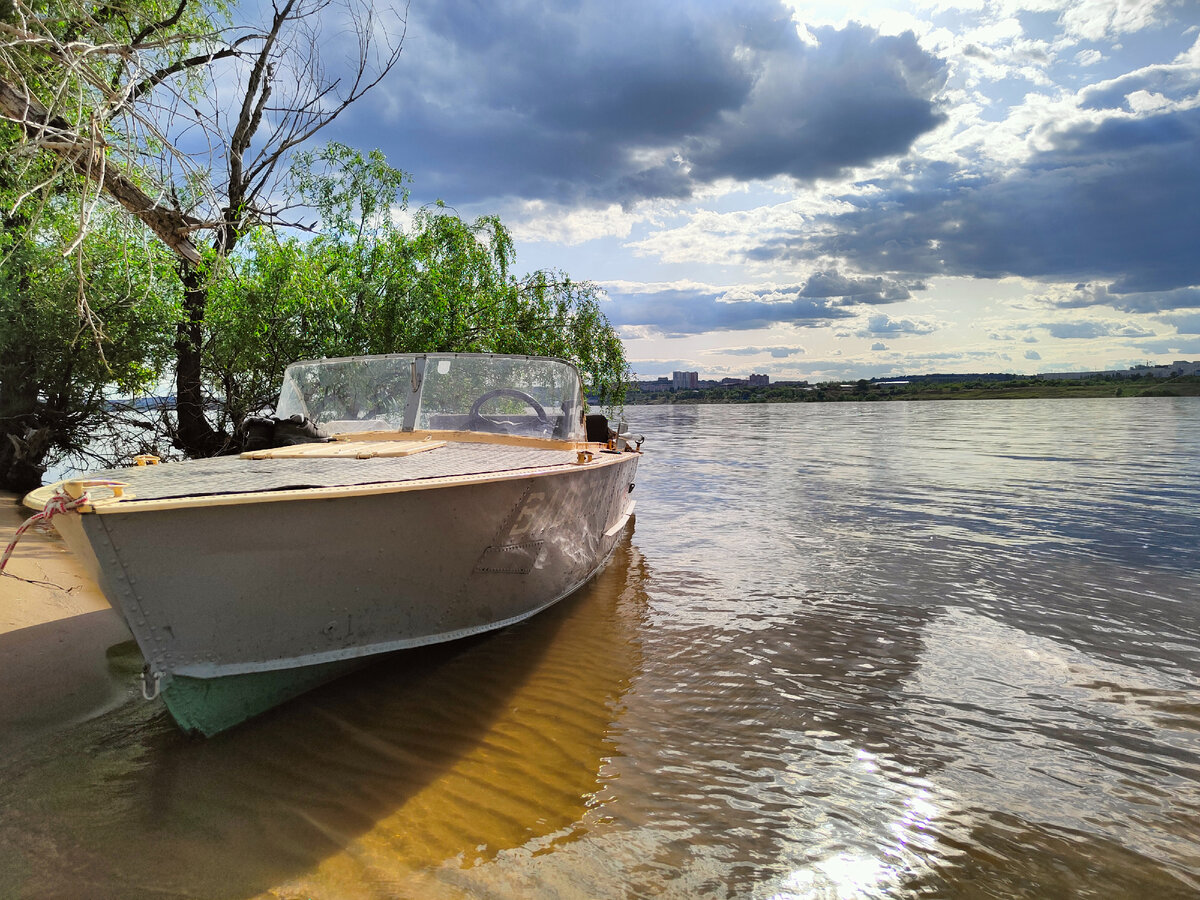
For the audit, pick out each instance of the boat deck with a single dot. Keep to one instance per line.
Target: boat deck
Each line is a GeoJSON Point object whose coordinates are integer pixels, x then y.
{"type": "Point", "coordinates": [234, 475]}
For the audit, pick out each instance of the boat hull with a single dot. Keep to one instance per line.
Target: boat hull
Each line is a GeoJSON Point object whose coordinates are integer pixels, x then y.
{"type": "Point", "coordinates": [238, 606]}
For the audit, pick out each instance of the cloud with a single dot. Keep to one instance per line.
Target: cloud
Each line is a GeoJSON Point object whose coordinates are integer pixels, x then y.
{"type": "Point", "coordinates": [882, 324]}
{"type": "Point", "coordinates": [1175, 82]}
{"type": "Point", "coordinates": [775, 352]}
{"type": "Point", "coordinates": [1099, 19]}
{"type": "Point", "coordinates": [1088, 330]}
{"type": "Point", "coordinates": [1174, 348]}
{"type": "Point", "coordinates": [1086, 294]}
{"type": "Point", "coordinates": [675, 312]}
{"type": "Point", "coordinates": [1114, 200]}
{"type": "Point", "coordinates": [879, 345]}
{"type": "Point", "coordinates": [599, 102]}
{"type": "Point", "coordinates": [870, 290]}
{"type": "Point", "coordinates": [1032, 354]}
{"type": "Point", "coordinates": [855, 97]}
{"type": "Point", "coordinates": [1187, 323]}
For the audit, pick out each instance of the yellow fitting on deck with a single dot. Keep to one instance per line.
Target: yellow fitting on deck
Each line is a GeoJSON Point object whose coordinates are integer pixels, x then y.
{"type": "Point", "coordinates": [77, 487]}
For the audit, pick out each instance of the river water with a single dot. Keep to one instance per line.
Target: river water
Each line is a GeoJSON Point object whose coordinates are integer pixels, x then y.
{"type": "Point", "coordinates": [945, 649]}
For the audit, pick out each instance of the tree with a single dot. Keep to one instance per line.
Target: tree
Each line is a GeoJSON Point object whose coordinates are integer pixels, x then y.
{"type": "Point", "coordinates": [363, 285]}
{"type": "Point", "coordinates": [145, 80]}
{"type": "Point", "coordinates": [444, 286]}
{"type": "Point", "coordinates": [58, 377]}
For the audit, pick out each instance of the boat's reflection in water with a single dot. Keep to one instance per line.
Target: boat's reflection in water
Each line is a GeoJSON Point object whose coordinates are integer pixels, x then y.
{"type": "Point", "coordinates": [449, 753]}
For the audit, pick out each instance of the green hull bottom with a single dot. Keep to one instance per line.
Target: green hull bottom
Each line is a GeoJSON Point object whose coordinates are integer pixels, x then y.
{"type": "Point", "coordinates": [210, 705]}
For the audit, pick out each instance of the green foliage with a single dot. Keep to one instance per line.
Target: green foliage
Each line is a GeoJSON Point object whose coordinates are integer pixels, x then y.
{"type": "Point", "coordinates": [365, 286]}
{"type": "Point", "coordinates": [59, 371]}
{"type": "Point", "coordinates": [353, 194]}
{"type": "Point", "coordinates": [275, 303]}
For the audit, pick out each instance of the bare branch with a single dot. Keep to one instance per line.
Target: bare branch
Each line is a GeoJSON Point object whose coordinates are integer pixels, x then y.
{"type": "Point", "coordinates": [192, 62]}
{"type": "Point", "coordinates": [87, 157]}
{"type": "Point", "coordinates": [155, 27]}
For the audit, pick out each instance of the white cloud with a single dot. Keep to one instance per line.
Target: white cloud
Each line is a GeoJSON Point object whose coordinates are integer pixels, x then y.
{"type": "Point", "coordinates": [1094, 20]}
{"type": "Point", "coordinates": [540, 220]}
{"type": "Point", "coordinates": [884, 324]}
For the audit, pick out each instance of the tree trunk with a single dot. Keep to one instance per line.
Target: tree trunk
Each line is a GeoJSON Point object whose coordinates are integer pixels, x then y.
{"type": "Point", "coordinates": [22, 459]}
{"type": "Point", "coordinates": [195, 435]}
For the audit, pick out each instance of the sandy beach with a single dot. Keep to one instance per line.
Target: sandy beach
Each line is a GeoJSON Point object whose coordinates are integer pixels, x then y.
{"type": "Point", "coordinates": [56, 629]}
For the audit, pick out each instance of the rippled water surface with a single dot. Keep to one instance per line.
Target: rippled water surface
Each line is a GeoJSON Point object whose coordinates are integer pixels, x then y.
{"type": "Point", "coordinates": [847, 650]}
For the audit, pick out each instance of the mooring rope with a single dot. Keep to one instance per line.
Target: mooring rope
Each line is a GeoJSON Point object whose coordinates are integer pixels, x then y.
{"type": "Point", "coordinates": [59, 503]}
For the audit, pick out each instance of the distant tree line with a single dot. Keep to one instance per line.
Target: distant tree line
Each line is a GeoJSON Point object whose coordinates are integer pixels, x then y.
{"type": "Point", "coordinates": [941, 387]}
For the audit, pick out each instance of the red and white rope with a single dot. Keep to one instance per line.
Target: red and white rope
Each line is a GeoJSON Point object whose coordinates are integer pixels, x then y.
{"type": "Point", "coordinates": [59, 502]}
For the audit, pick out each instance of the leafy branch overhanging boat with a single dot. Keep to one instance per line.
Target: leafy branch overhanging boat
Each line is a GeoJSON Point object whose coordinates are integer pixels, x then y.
{"type": "Point", "coordinates": [445, 495]}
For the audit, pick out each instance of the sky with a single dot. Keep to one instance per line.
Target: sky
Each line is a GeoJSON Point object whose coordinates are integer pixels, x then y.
{"type": "Point", "coordinates": [826, 191]}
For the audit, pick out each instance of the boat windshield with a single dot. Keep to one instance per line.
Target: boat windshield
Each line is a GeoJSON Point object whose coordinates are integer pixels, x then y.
{"type": "Point", "coordinates": [519, 395]}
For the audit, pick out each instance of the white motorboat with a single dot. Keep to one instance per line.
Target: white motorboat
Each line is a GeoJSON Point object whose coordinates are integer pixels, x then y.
{"type": "Point", "coordinates": [448, 495]}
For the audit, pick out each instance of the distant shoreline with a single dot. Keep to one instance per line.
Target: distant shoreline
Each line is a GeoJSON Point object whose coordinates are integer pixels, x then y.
{"type": "Point", "coordinates": [917, 389]}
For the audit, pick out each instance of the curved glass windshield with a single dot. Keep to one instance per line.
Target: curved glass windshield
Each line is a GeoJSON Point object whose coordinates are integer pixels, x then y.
{"type": "Point", "coordinates": [517, 395]}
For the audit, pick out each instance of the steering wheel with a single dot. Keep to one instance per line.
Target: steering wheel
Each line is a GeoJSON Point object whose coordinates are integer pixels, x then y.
{"type": "Point", "coordinates": [476, 418]}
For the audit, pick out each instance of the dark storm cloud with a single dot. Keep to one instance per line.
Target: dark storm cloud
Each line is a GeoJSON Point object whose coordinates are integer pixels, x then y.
{"type": "Point", "coordinates": [681, 312]}
{"type": "Point", "coordinates": [822, 298]}
{"type": "Point", "coordinates": [871, 290]}
{"type": "Point", "coordinates": [856, 97]}
{"type": "Point", "coordinates": [593, 101]}
{"type": "Point", "coordinates": [1115, 201]}
{"type": "Point", "coordinates": [1091, 294]}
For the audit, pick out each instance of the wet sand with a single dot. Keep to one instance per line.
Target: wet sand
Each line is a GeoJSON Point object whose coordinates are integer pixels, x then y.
{"type": "Point", "coordinates": [56, 629]}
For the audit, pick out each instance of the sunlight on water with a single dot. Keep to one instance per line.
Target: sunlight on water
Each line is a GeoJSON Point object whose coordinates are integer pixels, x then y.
{"type": "Point", "coordinates": [848, 651]}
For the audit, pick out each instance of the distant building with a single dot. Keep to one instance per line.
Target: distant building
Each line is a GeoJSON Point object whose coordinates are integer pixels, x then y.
{"type": "Point", "coordinates": [760, 380]}
{"type": "Point", "coordinates": [684, 381]}
{"type": "Point", "coordinates": [1179, 367]}
{"type": "Point", "coordinates": [652, 387]}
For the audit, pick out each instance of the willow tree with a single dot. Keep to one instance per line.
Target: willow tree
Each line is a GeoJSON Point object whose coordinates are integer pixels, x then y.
{"type": "Point", "coordinates": [187, 120]}
{"type": "Point", "coordinates": [446, 284]}
{"type": "Point", "coordinates": [364, 284]}
{"type": "Point", "coordinates": [442, 286]}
